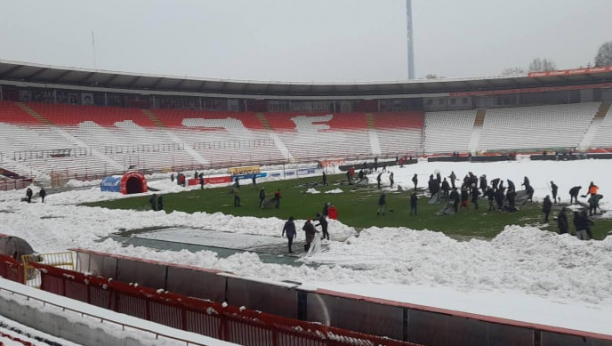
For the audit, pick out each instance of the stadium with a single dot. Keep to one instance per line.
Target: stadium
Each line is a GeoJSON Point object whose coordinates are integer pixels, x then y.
{"type": "Point", "coordinates": [100, 260]}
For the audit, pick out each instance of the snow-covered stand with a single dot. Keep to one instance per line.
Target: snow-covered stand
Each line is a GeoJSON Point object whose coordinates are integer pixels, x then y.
{"type": "Point", "coordinates": [400, 321]}
{"type": "Point", "coordinates": [129, 183]}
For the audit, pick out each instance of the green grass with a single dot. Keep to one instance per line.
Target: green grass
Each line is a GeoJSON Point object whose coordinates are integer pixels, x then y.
{"type": "Point", "coordinates": [357, 207]}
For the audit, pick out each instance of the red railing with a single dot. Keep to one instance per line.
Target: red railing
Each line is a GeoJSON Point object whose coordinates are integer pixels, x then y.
{"type": "Point", "coordinates": [11, 269]}
{"type": "Point", "coordinates": [217, 320]}
{"type": "Point", "coordinates": [14, 184]}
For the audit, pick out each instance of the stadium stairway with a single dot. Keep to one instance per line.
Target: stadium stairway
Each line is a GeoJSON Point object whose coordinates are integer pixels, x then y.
{"type": "Point", "coordinates": [153, 118]}
{"type": "Point", "coordinates": [594, 127]}
{"type": "Point", "coordinates": [188, 149]}
{"type": "Point", "coordinates": [373, 134]}
{"type": "Point", "coordinates": [478, 122]}
{"type": "Point", "coordinates": [34, 114]}
{"type": "Point", "coordinates": [277, 141]}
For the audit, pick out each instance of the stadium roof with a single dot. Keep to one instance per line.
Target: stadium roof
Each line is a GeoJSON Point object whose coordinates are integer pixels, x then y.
{"type": "Point", "coordinates": [52, 76]}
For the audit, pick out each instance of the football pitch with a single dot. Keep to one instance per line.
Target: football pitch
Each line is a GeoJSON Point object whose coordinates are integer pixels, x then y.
{"type": "Point", "coordinates": [357, 207]}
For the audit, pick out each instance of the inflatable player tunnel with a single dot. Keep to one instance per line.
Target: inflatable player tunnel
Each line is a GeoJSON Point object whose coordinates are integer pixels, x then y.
{"type": "Point", "coordinates": [129, 183]}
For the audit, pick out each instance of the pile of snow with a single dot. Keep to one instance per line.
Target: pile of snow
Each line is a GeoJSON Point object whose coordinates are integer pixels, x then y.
{"type": "Point", "coordinates": [530, 263]}
{"type": "Point", "coordinates": [334, 191]}
{"type": "Point", "coordinates": [313, 191]}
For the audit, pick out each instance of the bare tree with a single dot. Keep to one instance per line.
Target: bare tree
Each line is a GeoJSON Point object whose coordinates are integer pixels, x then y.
{"type": "Point", "coordinates": [604, 55]}
{"type": "Point", "coordinates": [513, 71]}
{"type": "Point", "coordinates": [541, 65]}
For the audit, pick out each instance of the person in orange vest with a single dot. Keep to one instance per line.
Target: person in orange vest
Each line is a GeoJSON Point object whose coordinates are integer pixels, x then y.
{"type": "Point", "coordinates": [593, 190]}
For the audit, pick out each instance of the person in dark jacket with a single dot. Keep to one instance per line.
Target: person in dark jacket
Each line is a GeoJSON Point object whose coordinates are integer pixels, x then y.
{"type": "Point", "coordinates": [201, 182]}
{"type": "Point", "coordinates": [378, 178]}
{"type": "Point", "coordinates": [454, 196]}
{"type": "Point", "coordinates": [42, 194]}
{"type": "Point", "coordinates": [494, 183]}
{"type": "Point", "coordinates": [254, 179]}
{"type": "Point", "coordinates": [587, 222]}
{"type": "Point", "coordinates": [289, 229]}
{"type": "Point", "coordinates": [445, 189]}
{"type": "Point", "coordinates": [529, 189]}
{"type": "Point", "coordinates": [576, 221]}
{"type": "Point", "coordinates": [562, 222]}
{"type": "Point", "coordinates": [490, 194]}
{"type": "Point", "coordinates": [236, 193]}
{"type": "Point", "coordinates": [29, 194]}
{"type": "Point", "coordinates": [324, 179]}
{"type": "Point", "coordinates": [465, 196]}
{"type": "Point", "coordinates": [153, 202]}
{"type": "Point", "coordinates": [382, 200]}
{"type": "Point", "coordinates": [277, 198]}
{"type": "Point", "coordinates": [311, 231]}
{"type": "Point", "coordinates": [483, 183]}
{"type": "Point", "coordinates": [574, 191]}
{"type": "Point", "coordinates": [415, 180]}
{"type": "Point", "coordinates": [511, 185]}
{"type": "Point", "coordinates": [475, 194]}
{"type": "Point", "coordinates": [452, 177]}
{"type": "Point", "coordinates": [499, 199]}
{"type": "Point", "coordinates": [160, 203]}
{"type": "Point", "coordinates": [431, 184]}
{"type": "Point", "coordinates": [594, 204]}
{"type": "Point", "coordinates": [414, 201]}
{"type": "Point", "coordinates": [326, 209]}
{"type": "Point", "coordinates": [583, 226]}
{"type": "Point", "coordinates": [262, 197]}
{"type": "Point", "coordinates": [391, 181]}
{"type": "Point", "coordinates": [323, 223]}
{"type": "Point", "coordinates": [546, 208]}
{"type": "Point", "coordinates": [554, 188]}
{"type": "Point", "coordinates": [511, 198]}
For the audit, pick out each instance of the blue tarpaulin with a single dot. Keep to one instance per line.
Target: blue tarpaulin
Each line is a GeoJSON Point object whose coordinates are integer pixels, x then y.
{"type": "Point", "coordinates": [111, 183]}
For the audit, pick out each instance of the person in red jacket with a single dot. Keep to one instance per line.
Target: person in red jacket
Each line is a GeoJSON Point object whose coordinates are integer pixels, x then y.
{"type": "Point", "coordinates": [332, 212]}
{"type": "Point", "coordinates": [277, 198]}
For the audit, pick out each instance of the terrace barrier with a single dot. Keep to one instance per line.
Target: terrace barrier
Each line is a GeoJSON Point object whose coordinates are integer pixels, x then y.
{"type": "Point", "coordinates": [218, 320]}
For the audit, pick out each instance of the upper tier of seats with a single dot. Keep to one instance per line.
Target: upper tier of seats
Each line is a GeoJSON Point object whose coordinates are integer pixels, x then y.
{"type": "Point", "coordinates": [302, 122]}
{"type": "Point", "coordinates": [11, 113]}
{"type": "Point", "coordinates": [399, 120]}
{"type": "Point", "coordinates": [73, 115]}
{"type": "Point", "coordinates": [206, 120]}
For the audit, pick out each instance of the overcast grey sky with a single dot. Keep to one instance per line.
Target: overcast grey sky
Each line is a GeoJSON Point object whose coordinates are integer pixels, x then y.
{"type": "Point", "coordinates": [303, 40]}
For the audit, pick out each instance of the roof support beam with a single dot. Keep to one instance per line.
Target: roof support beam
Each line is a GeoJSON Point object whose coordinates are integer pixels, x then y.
{"type": "Point", "coordinates": [10, 70]}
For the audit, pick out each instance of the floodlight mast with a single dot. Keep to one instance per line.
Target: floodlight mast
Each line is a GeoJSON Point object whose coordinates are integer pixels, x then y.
{"type": "Point", "coordinates": [410, 39]}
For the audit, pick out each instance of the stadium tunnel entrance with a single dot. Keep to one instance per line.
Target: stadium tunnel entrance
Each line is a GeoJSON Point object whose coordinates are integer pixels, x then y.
{"type": "Point", "coordinates": [133, 182]}
{"type": "Point", "coordinates": [129, 183]}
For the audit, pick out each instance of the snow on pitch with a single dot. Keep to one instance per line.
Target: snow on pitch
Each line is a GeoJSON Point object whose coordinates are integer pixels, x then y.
{"type": "Point", "coordinates": [524, 273]}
